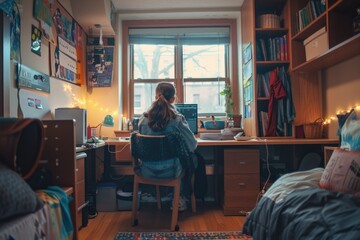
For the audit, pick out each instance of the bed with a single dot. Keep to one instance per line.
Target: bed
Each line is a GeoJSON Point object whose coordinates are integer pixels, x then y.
{"type": "Point", "coordinates": [33, 202]}
{"type": "Point", "coordinates": [321, 203]}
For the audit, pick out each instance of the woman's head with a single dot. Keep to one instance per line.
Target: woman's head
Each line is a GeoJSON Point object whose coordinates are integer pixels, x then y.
{"type": "Point", "coordinates": [166, 90]}
{"type": "Point", "coordinates": [162, 110]}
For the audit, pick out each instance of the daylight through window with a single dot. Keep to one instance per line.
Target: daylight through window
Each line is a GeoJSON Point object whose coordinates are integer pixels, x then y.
{"type": "Point", "coordinates": [195, 59]}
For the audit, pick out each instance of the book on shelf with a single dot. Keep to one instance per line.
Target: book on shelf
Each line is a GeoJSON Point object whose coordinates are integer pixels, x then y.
{"type": "Point", "coordinates": [272, 49]}
{"type": "Point", "coordinates": [264, 122]}
{"type": "Point", "coordinates": [309, 13]}
{"type": "Point", "coordinates": [263, 85]}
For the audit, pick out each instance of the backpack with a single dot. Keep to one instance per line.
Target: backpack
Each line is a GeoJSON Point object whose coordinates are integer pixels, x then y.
{"type": "Point", "coordinates": [200, 179]}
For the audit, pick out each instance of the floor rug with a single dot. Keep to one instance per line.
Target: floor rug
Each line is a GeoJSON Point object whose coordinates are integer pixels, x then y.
{"type": "Point", "coordinates": [180, 235]}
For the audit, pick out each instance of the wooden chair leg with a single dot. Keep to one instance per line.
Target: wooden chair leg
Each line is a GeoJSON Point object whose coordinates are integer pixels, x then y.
{"type": "Point", "coordinates": [135, 202]}
{"type": "Point", "coordinates": [158, 197]}
{"type": "Point", "coordinates": [175, 210]}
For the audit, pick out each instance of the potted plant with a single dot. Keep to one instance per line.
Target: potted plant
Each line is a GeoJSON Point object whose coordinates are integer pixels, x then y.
{"type": "Point", "coordinates": [229, 103]}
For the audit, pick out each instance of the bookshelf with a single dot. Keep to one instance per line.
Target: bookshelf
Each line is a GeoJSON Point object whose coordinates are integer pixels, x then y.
{"type": "Point", "coordinates": [337, 18]}
{"type": "Point", "coordinates": [270, 47]}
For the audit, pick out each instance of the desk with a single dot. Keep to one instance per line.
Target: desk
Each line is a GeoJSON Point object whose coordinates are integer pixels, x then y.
{"type": "Point", "coordinates": [234, 164]}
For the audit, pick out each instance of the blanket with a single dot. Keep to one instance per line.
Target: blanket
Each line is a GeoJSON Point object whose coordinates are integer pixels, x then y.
{"type": "Point", "coordinates": [296, 208]}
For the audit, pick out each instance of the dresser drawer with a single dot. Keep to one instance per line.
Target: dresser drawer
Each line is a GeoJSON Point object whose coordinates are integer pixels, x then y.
{"type": "Point", "coordinates": [80, 169]}
{"type": "Point", "coordinates": [241, 182]}
{"type": "Point", "coordinates": [240, 199]}
{"type": "Point", "coordinates": [123, 153]}
{"type": "Point", "coordinates": [241, 161]}
{"type": "Point", "coordinates": [80, 193]}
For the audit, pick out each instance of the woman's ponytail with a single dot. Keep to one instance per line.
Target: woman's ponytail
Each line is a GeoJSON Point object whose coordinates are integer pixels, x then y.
{"type": "Point", "coordinates": [161, 111]}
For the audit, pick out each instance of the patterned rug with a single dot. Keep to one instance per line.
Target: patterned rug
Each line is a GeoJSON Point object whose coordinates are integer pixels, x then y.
{"type": "Point", "coordinates": [180, 235]}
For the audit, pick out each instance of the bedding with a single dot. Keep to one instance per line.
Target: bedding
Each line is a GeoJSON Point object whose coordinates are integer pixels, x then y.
{"type": "Point", "coordinates": [295, 207]}
{"type": "Point", "coordinates": [16, 196]}
{"type": "Point", "coordinates": [50, 220]}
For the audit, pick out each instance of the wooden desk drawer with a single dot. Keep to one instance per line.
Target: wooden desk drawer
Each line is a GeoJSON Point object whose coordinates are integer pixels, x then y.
{"type": "Point", "coordinates": [241, 161]}
{"type": "Point", "coordinates": [80, 170]}
{"type": "Point", "coordinates": [240, 199]}
{"type": "Point", "coordinates": [123, 152]}
{"type": "Point", "coordinates": [80, 193]}
{"type": "Point", "coordinates": [241, 182]}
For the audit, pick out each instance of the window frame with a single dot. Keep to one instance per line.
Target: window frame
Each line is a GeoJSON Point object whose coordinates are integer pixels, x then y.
{"type": "Point", "coordinates": [128, 83]}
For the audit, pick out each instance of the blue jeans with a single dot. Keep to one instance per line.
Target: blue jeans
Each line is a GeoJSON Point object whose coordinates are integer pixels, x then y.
{"type": "Point", "coordinates": [166, 169]}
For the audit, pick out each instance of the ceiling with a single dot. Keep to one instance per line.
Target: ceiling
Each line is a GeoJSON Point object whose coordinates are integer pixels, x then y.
{"type": "Point", "coordinates": [91, 12]}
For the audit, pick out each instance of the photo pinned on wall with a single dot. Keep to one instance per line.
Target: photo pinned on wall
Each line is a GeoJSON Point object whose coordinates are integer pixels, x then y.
{"type": "Point", "coordinates": [36, 40]}
{"type": "Point", "coordinates": [100, 59]}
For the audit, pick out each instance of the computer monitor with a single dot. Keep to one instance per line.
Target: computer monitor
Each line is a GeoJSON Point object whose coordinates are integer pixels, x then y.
{"type": "Point", "coordinates": [190, 112]}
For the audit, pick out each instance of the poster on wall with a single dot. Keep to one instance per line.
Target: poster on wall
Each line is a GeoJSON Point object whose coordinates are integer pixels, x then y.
{"type": "Point", "coordinates": [66, 40]}
{"type": "Point", "coordinates": [100, 61]}
{"type": "Point", "coordinates": [42, 12]}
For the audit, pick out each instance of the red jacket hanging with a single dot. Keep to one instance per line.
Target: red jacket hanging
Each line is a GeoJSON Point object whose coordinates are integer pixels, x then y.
{"type": "Point", "coordinates": [277, 92]}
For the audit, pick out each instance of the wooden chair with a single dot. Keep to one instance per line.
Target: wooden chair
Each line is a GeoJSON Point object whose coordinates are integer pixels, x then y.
{"type": "Point", "coordinates": [145, 147]}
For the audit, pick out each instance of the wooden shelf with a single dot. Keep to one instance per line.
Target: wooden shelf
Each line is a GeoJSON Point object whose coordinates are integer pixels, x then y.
{"type": "Point", "coordinates": [315, 25]}
{"type": "Point", "coordinates": [264, 66]}
{"type": "Point", "coordinates": [270, 32]}
{"type": "Point", "coordinates": [341, 52]}
{"type": "Point", "coordinates": [337, 20]}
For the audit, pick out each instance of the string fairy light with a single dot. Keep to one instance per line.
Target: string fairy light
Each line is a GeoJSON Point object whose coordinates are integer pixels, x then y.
{"type": "Point", "coordinates": [331, 118]}
{"type": "Point", "coordinates": [82, 102]}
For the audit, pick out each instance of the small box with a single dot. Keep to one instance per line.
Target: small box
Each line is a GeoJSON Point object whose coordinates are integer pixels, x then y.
{"type": "Point", "coordinates": [124, 200]}
{"type": "Point", "coordinates": [316, 44]}
{"type": "Point", "coordinates": [106, 197]}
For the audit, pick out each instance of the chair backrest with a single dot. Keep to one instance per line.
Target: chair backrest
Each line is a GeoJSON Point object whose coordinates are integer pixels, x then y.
{"type": "Point", "coordinates": [152, 147]}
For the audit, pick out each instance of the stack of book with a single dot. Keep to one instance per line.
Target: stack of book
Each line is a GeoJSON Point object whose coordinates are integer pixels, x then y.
{"type": "Point", "coordinates": [312, 10]}
{"type": "Point", "coordinates": [272, 49]}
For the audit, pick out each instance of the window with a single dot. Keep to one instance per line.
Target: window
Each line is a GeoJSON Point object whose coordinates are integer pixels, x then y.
{"type": "Point", "coordinates": [194, 59]}
{"type": "Point", "coordinates": [137, 101]}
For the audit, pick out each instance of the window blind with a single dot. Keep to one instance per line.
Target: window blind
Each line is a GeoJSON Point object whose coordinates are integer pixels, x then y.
{"type": "Point", "coordinates": [182, 36]}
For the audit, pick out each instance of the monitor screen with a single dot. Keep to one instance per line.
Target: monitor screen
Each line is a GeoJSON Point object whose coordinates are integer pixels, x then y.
{"type": "Point", "coordinates": [190, 112]}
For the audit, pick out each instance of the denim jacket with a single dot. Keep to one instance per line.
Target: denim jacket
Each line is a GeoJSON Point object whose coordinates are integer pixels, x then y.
{"type": "Point", "coordinates": [172, 168]}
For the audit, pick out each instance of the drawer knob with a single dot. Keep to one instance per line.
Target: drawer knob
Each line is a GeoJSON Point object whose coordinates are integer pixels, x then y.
{"type": "Point", "coordinates": [242, 163]}
{"type": "Point", "coordinates": [241, 184]}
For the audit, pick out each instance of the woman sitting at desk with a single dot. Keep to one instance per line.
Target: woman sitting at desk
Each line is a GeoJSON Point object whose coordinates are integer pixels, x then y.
{"type": "Point", "coordinates": [162, 119]}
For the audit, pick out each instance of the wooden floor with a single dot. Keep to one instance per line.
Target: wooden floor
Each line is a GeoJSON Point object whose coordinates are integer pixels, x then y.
{"type": "Point", "coordinates": [207, 218]}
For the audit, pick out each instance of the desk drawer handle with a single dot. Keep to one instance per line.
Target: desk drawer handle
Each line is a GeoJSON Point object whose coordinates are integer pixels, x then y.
{"type": "Point", "coordinates": [242, 163]}
{"type": "Point", "coordinates": [241, 184]}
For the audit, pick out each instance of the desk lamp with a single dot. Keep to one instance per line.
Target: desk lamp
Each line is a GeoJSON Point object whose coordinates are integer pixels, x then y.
{"type": "Point", "coordinates": [107, 122]}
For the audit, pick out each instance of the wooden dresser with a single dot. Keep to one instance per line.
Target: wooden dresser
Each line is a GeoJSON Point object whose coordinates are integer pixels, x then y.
{"type": "Point", "coordinates": [80, 189]}
{"type": "Point", "coordinates": [241, 180]}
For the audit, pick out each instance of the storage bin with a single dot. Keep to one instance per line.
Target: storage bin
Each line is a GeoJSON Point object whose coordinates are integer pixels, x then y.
{"type": "Point", "coordinates": [316, 44]}
{"type": "Point", "coordinates": [269, 21]}
{"type": "Point", "coordinates": [106, 197]}
{"type": "Point", "coordinates": [314, 130]}
{"type": "Point", "coordinates": [124, 200]}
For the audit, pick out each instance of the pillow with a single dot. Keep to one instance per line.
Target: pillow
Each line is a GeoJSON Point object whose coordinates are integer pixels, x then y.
{"type": "Point", "coordinates": [350, 131]}
{"type": "Point", "coordinates": [16, 196]}
{"type": "Point", "coordinates": [342, 173]}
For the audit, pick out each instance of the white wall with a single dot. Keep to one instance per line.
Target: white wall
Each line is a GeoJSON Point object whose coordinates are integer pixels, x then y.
{"type": "Point", "coordinates": [341, 90]}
